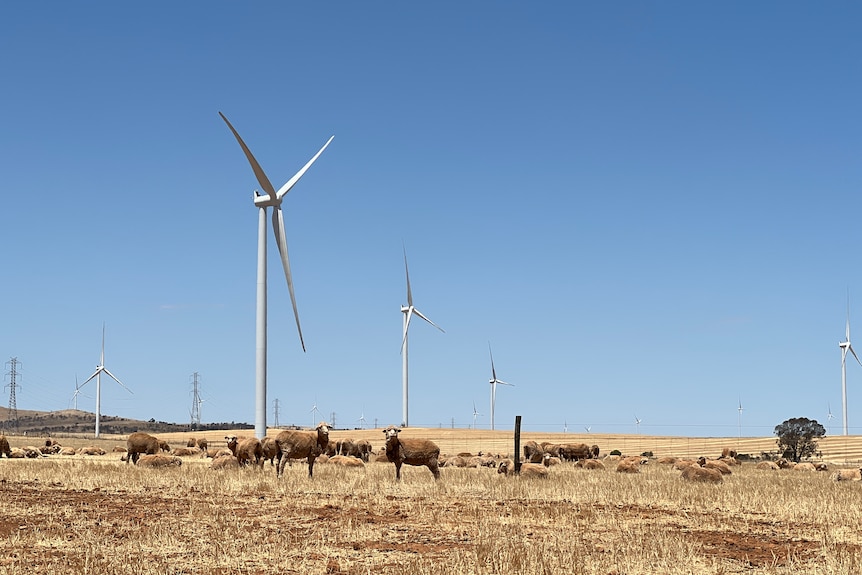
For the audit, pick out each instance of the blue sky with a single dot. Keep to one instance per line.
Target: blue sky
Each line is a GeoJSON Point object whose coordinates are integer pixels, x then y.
{"type": "Point", "coordinates": [648, 210]}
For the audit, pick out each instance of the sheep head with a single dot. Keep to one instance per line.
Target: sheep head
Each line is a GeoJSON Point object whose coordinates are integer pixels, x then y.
{"type": "Point", "coordinates": [391, 432]}
{"type": "Point", "coordinates": [231, 441]}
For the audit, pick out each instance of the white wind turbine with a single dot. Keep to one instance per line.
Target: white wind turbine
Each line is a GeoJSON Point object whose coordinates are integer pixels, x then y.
{"type": "Point", "coordinates": [638, 424]}
{"type": "Point", "coordinates": [315, 414]}
{"type": "Point", "coordinates": [829, 417]}
{"type": "Point", "coordinates": [739, 417]}
{"type": "Point", "coordinates": [408, 312]}
{"type": "Point", "coordinates": [77, 391]}
{"type": "Point", "coordinates": [845, 347]}
{"type": "Point", "coordinates": [98, 375]}
{"type": "Point", "coordinates": [475, 415]}
{"type": "Point", "coordinates": [272, 199]}
{"type": "Point", "coordinates": [494, 381]}
{"type": "Point", "coordinates": [362, 420]}
{"type": "Point", "coordinates": [588, 428]}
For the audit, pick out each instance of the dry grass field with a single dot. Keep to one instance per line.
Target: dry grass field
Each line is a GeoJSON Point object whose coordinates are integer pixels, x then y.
{"type": "Point", "coordinates": [96, 514]}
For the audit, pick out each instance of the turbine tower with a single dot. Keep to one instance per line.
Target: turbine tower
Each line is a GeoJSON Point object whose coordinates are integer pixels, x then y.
{"type": "Point", "coordinates": [494, 381]}
{"type": "Point", "coordinates": [845, 347]}
{"type": "Point", "coordinates": [408, 312]}
{"type": "Point", "coordinates": [272, 199]}
{"type": "Point", "coordinates": [98, 376]}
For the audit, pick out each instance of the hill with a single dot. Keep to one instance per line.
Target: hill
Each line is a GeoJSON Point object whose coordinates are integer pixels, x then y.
{"type": "Point", "coordinates": [77, 421]}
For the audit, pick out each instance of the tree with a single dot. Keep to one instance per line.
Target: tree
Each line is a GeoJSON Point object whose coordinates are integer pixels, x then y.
{"type": "Point", "coordinates": [797, 437]}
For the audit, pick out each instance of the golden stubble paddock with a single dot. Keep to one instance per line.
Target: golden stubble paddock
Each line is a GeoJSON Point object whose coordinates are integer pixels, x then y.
{"type": "Point", "coordinates": [98, 515]}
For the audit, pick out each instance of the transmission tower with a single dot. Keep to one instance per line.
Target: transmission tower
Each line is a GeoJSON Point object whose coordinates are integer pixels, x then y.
{"type": "Point", "coordinates": [196, 401]}
{"type": "Point", "coordinates": [12, 420]}
{"type": "Point", "coordinates": [275, 411]}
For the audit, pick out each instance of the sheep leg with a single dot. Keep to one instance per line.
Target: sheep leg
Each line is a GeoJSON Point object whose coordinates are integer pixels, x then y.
{"type": "Point", "coordinates": [435, 470]}
{"type": "Point", "coordinates": [282, 459]}
{"type": "Point", "coordinates": [311, 459]}
{"type": "Point", "coordinates": [398, 471]}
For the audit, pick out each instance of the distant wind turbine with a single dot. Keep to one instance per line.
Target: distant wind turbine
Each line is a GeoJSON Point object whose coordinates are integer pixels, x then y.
{"type": "Point", "coordinates": [565, 426]}
{"type": "Point", "coordinates": [315, 414]}
{"type": "Point", "coordinates": [845, 347]}
{"type": "Point", "coordinates": [272, 199]}
{"type": "Point", "coordinates": [829, 417]}
{"type": "Point", "coordinates": [494, 381]}
{"type": "Point", "coordinates": [408, 312]}
{"type": "Point", "coordinates": [77, 391]}
{"type": "Point", "coordinates": [638, 424]}
{"type": "Point", "coordinates": [362, 420]}
{"type": "Point", "coordinates": [98, 376]}
{"type": "Point", "coordinates": [739, 417]}
{"type": "Point", "coordinates": [475, 415]}
{"type": "Point", "coordinates": [588, 428]}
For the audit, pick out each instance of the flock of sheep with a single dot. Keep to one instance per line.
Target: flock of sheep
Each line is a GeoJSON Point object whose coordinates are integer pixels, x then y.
{"type": "Point", "coordinates": [316, 446]}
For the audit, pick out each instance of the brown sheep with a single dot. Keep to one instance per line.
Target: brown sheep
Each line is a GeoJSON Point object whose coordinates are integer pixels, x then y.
{"type": "Point", "coordinates": [767, 466]}
{"type": "Point", "coordinates": [346, 461]}
{"type": "Point", "coordinates": [683, 463]}
{"type": "Point", "coordinates": [537, 470]}
{"type": "Point", "coordinates": [575, 451]}
{"type": "Point", "coordinates": [456, 461]}
{"type": "Point", "coordinates": [246, 450]}
{"type": "Point", "coordinates": [163, 445]}
{"type": "Point", "coordinates": [202, 444]}
{"type": "Point", "coordinates": [118, 449]}
{"type": "Point", "coordinates": [17, 453]}
{"type": "Point", "coordinates": [50, 449]}
{"type": "Point", "coordinates": [411, 451]}
{"type": "Point", "coordinates": [270, 449]}
{"type": "Point", "coordinates": [666, 460]}
{"type": "Point", "coordinates": [847, 475]}
{"type": "Point", "coordinates": [185, 451]}
{"type": "Point", "coordinates": [552, 448]}
{"type": "Point", "coordinates": [727, 453]}
{"type": "Point", "coordinates": [68, 451]}
{"type": "Point", "coordinates": [225, 462]}
{"type": "Point", "coordinates": [159, 460]}
{"type": "Point", "coordinates": [806, 466]}
{"type": "Point", "coordinates": [721, 466]}
{"type": "Point", "coordinates": [590, 464]}
{"type": "Point", "coordinates": [91, 450]}
{"type": "Point", "coordinates": [548, 460]}
{"type": "Point", "coordinates": [294, 444]}
{"type": "Point", "coordinates": [701, 474]}
{"type": "Point", "coordinates": [533, 453]}
{"type": "Point", "coordinates": [629, 465]}
{"type": "Point", "coordinates": [140, 443]}
{"type": "Point", "coordinates": [4, 447]}
{"type": "Point", "coordinates": [192, 442]}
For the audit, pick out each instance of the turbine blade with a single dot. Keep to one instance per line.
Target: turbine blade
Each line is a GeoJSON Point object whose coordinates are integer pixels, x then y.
{"type": "Point", "coordinates": [258, 171]}
{"type": "Point", "coordinates": [850, 347]}
{"type": "Point", "coordinates": [292, 181]}
{"type": "Point", "coordinates": [89, 379]}
{"type": "Point", "coordinates": [102, 357]}
{"type": "Point", "coordinates": [493, 372]}
{"type": "Point", "coordinates": [117, 380]}
{"type": "Point", "coordinates": [410, 311]}
{"type": "Point", "coordinates": [419, 313]}
{"type": "Point", "coordinates": [504, 383]}
{"type": "Point", "coordinates": [847, 331]}
{"type": "Point", "coordinates": [407, 273]}
{"type": "Point", "coordinates": [281, 240]}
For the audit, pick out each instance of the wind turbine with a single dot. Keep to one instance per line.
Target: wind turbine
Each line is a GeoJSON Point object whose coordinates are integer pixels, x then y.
{"type": "Point", "coordinates": [408, 312]}
{"type": "Point", "coordinates": [362, 420]}
{"type": "Point", "coordinates": [739, 417]}
{"type": "Point", "coordinates": [845, 347]}
{"type": "Point", "coordinates": [494, 381]}
{"type": "Point", "coordinates": [98, 375]}
{"type": "Point", "coordinates": [638, 424]}
{"type": "Point", "coordinates": [77, 391]}
{"type": "Point", "coordinates": [829, 416]}
{"type": "Point", "coordinates": [588, 428]}
{"type": "Point", "coordinates": [315, 413]}
{"type": "Point", "coordinates": [272, 199]}
{"type": "Point", "coordinates": [565, 426]}
{"type": "Point", "coordinates": [475, 415]}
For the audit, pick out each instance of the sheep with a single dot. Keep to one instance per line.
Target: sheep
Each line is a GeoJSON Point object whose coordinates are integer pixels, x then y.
{"type": "Point", "coordinates": [847, 475]}
{"type": "Point", "coordinates": [727, 453]}
{"type": "Point", "coordinates": [68, 451]}
{"type": "Point", "coordinates": [666, 460]}
{"type": "Point", "coordinates": [528, 469]}
{"type": "Point", "coordinates": [216, 453]}
{"type": "Point", "coordinates": [225, 462]}
{"type": "Point", "coordinates": [159, 460]}
{"type": "Point", "coordinates": [270, 449]}
{"type": "Point", "coordinates": [343, 447]}
{"type": "Point", "coordinates": [767, 466]}
{"type": "Point", "coordinates": [683, 463]}
{"type": "Point", "coordinates": [804, 467]}
{"type": "Point", "coordinates": [140, 443]}
{"type": "Point", "coordinates": [34, 452]}
{"type": "Point", "coordinates": [364, 448]}
{"type": "Point", "coordinates": [785, 464]}
{"type": "Point", "coordinates": [185, 451]}
{"type": "Point", "coordinates": [118, 449]}
{"type": "Point", "coordinates": [590, 464]}
{"type": "Point", "coordinates": [192, 442]}
{"type": "Point", "coordinates": [163, 445]}
{"type": "Point", "coordinates": [552, 448]}
{"type": "Point", "coordinates": [411, 451]}
{"type": "Point", "coordinates": [17, 453]}
{"type": "Point", "coordinates": [575, 451]}
{"type": "Point", "coordinates": [4, 447]}
{"type": "Point", "coordinates": [548, 460]}
{"type": "Point", "coordinates": [456, 461]}
{"type": "Point", "coordinates": [293, 444]}
{"type": "Point", "coordinates": [50, 449]}
{"type": "Point", "coordinates": [628, 465]}
{"type": "Point", "coordinates": [346, 461]}
{"type": "Point", "coordinates": [202, 444]}
{"type": "Point", "coordinates": [702, 474]}
{"type": "Point", "coordinates": [245, 449]}
{"type": "Point", "coordinates": [533, 453]}
{"type": "Point", "coordinates": [721, 466]}
{"type": "Point", "coordinates": [91, 450]}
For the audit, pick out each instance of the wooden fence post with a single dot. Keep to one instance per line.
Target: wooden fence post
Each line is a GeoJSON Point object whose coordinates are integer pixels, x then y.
{"type": "Point", "coordinates": [517, 444]}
